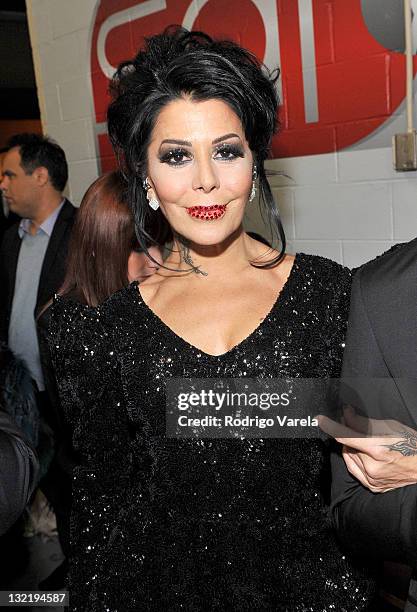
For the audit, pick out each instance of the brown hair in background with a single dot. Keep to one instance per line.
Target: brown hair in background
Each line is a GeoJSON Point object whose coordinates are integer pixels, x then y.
{"type": "Point", "coordinates": [101, 242]}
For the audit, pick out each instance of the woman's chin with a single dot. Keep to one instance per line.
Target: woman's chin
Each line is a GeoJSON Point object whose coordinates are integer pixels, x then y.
{"type": "Point", "coordinates": [210, 237]}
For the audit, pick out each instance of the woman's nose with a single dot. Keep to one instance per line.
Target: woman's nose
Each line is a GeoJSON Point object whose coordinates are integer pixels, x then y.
{"type": "Point", "coordinates": [205, 176]}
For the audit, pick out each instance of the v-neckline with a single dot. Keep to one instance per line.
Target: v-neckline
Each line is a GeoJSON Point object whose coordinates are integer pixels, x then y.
{"type": "Point", "coordinates": [279, 298]}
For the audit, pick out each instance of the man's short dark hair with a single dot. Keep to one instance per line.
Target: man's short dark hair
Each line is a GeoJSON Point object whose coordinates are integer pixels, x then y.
{"type": "Point", "coordinates": [36, 150]}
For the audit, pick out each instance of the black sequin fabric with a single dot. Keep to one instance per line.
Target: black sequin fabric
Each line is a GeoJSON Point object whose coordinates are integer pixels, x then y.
{"type": "Point", "coordinates": [198, 525]}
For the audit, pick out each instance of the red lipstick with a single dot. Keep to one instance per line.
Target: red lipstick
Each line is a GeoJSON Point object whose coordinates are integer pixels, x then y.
{"type": "Point", "coordinates": [207, 213]}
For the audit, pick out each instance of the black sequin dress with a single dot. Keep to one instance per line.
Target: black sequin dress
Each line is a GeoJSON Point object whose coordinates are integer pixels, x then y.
{"type": "Point", "coordinates": [210, 524]}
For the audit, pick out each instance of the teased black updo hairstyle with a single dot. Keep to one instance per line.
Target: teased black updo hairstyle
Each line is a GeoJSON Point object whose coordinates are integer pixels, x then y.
{"type": "Point", "coordinates": [180, 63]}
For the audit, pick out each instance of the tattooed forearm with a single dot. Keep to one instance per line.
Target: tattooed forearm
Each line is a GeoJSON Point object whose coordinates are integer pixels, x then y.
{"type": "Point", "coordinates": [407, 446]}
{"type": "Point", "coordinates": [186, 255]}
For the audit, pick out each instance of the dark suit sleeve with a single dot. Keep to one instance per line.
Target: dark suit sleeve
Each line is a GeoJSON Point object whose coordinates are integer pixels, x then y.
{"type": "Point", "coordinates": [18, 472]}
{"type": "Point", "coordinates": [3, 292]}
{"type": "Point", "coordinates": [382, 525]}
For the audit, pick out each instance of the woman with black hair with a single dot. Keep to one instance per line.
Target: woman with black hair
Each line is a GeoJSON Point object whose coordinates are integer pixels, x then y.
{"type": "Point", "coordinates": [165, 523]}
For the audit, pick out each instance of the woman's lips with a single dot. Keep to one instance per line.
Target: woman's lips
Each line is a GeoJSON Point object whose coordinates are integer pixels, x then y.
{"type": "Point", "coordinates": [207, 213]}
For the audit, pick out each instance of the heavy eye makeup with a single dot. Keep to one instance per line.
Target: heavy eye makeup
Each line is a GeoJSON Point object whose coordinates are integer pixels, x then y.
{"type": "Point", "coordinates": [179, 156]}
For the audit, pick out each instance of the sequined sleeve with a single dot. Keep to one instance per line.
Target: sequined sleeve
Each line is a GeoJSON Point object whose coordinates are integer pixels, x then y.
{"type": "Point", "coordinates": [338, 285]}
{"type": "Point", "coordinates": [87, 374]}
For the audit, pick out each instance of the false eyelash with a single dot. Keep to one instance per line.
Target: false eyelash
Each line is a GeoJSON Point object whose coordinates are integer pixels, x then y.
{"type": "Point", "coordinates": [231, 148]}
{"type": "Point", "coordinates": [167, 157]}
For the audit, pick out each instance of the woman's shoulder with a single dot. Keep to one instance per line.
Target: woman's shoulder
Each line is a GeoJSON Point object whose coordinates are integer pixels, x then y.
{"type": "Point", "coordinates": [71, 321]}
{"type": "Point", "coordinates": [120, 303]}
{"type": "Point", "coordinates": [63, 309]}
{"type": "Point", "coordinates": [71, 327]}
{"type": "Point", "coordinates": [85, 338]}
{"type": "Point", "coordinates": [325, 273]}
{"type": "Point", "coordinates": [325, 287]}
{"type": "Point", "coordinates": [68, 307]}
{"type": "Point", "coordinates": [68, 315]}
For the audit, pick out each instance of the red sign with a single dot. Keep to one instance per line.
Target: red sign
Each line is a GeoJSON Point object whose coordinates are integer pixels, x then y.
{"type": "Point", "coordinates": [338, 83]}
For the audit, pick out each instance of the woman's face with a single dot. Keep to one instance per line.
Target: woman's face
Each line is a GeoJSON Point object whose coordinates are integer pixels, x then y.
{"type": "Point", "coordinates": [139, 266]}
{"type": "Point", "coordinates": [200, 169]}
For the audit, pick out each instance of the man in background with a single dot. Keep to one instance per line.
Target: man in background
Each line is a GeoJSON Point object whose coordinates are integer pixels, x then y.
{"type": "Point", "coordinates": [7, 218]}
{"type": "Point", "coordinates": [32, 268]}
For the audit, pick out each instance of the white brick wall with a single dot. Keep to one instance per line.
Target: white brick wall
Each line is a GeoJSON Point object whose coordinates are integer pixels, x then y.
{"type": "Point", "coordinates": [349, 206]}
{"type": "Point", "coordinates": [60, 34]}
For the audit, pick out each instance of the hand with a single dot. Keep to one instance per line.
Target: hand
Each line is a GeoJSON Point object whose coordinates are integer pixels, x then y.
{"type": "Point", "coordinates": [381, 454]}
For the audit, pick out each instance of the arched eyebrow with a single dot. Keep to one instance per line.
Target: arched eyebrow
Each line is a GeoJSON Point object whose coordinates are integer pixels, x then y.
{"type": "Point", "coordinates": [225, 137]}
{"type": "Point", "coordinates": [186, 143]}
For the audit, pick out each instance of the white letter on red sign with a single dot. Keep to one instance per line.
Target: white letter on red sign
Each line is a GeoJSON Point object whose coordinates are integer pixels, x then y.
{"type": "Point", "coordinates": [308, 59]}
{"type": "Point", "coordinates": [268, 12]}
{"type": "Point", "coordinates": [118, 19]}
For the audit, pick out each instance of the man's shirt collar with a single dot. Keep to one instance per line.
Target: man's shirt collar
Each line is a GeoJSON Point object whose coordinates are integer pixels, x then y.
{"type": "Point", "coordinates": [46, 227]}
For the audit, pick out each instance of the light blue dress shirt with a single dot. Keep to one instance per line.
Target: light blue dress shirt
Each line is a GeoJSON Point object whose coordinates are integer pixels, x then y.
{"type": "Point", "coordinates": [23, 339]}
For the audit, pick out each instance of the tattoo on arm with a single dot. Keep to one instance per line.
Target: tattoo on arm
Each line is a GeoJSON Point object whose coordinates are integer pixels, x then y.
{"type": "Point", "coordinates": [407, 446]}
{"type": "Point", "coordinates": [186, 255]}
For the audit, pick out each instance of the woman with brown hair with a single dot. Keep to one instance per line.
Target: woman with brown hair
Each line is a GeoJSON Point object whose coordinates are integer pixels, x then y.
{"type": "Point", "coordinates": [104, 254]}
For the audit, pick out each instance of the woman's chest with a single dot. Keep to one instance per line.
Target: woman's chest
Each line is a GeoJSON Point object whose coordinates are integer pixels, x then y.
{"type": "Point", "coordinates": [160, 368]}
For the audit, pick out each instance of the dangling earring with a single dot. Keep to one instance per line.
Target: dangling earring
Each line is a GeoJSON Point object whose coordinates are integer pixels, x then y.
{"type": "Point", "coordinates": [252, 193]}
{"type": "Point", "coordinates": [153, 202]}
{"type": "Point", "coordinates": [253, 190]}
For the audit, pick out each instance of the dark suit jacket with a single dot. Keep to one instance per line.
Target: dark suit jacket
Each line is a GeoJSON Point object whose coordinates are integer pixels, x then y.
{"type": "Point", "coordinates": [53, 268]}
{"type": "Point", "coordinates": [381, 343]}
{"type": "Point", "coordinates": [6, 222]}
{"type": "Point", "coordinates": [18, 472]}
